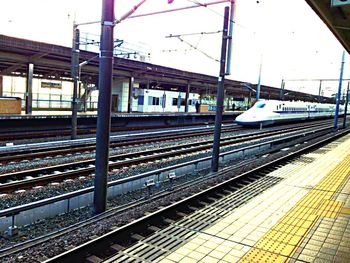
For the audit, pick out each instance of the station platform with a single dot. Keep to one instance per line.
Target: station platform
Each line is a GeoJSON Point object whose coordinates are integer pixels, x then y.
{"type": "Point", "coordinates": [63, 120]}
{"type": "Point", "coordinates": [303, 217]}
{"type": "Point", "coordinates": [93, 114]}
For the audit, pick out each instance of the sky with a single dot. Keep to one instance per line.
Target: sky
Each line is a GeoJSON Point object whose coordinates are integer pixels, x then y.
{"type": "Point", "coordinates": [286, 37]}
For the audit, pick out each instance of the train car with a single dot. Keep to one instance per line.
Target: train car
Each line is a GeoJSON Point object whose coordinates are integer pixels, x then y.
{"type": "Point", "coordinates": [268, 112]}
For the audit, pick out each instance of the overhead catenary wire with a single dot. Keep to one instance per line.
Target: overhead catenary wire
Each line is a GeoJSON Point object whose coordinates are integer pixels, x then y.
{"type": "Point", "coordinates": [217, 13]}
{"type": "Point", "coordinates": [180, 8]}
{"type": "Point", "coordinates": [194, 47]}
{"type": "Point", "coordinates": [177, 50]}
{"type": "Point", "coordinates": [193, 34]}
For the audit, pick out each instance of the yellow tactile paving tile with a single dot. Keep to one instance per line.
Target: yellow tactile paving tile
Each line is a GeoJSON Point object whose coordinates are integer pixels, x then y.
{"type": "Point", "coordinates": [345, 211]}
{"type": "Point", "coordinates": [329, 208]}
{"type": "Point", "coordinates": [258, 255]}
{"type": "Point", "coordinates": [315, 203]}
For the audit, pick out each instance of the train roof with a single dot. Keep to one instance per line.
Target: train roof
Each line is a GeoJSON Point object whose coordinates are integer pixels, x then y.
{"type": "Point", "coordinates": [297, 103]}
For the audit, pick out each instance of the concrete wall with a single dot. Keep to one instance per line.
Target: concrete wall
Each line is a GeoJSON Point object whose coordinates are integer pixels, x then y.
{"type": "Point", "coordinates": [50, 210]}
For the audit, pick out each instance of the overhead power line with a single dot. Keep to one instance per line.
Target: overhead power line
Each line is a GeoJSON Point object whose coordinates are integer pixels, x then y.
{"type": "Point", "coordinates": [177, 50]}
{"type": "Point", "coordinates": [193, 34]}
{"type": "Point", "coordinates": [194, 47]}
{"type": "Point", "coordinates": [196, 5]}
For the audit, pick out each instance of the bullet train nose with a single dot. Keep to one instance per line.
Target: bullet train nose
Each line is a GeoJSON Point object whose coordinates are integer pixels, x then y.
{"type": "Point", "coordinates": [246, 119]}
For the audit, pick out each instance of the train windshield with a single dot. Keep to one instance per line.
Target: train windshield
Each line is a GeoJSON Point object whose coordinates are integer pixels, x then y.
{"type": "Point", "coordinates": [260, 105]}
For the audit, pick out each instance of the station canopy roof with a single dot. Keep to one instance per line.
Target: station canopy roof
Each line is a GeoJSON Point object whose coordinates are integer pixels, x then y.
{"type": "Point", "coordinates": [336, 15]}
{"type": "Point", "coordinates": [54, 62]}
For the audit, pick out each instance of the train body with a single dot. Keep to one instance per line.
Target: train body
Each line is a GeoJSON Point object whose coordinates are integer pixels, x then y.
{"type": "Point", "coordinates": [268, 112]}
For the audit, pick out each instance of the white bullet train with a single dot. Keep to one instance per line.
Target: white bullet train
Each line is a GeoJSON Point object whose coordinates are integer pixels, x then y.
{"type": "Point", "coordinates": [267, 112]}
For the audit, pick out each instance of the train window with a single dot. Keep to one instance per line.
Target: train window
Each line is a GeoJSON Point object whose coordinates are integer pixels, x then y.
{"type": "Point", "coordinates": [260, 105]}
{"type": "Point", "coordinates": [153, 101]}
{"type": "Point", "coordinates": [183, 102]}
{"type": "Point", "coordinates": [174, 103]}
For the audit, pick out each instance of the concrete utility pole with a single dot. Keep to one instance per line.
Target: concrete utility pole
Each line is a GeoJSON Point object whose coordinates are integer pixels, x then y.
{"type": "Point", "coordinates": [75, 75]}
{"type": "Point", "coordinates": [104, 106]}
{"type": "Point", "coordinates": [339, 91]}
{"type": "Point", "coordinates": [220, 97]}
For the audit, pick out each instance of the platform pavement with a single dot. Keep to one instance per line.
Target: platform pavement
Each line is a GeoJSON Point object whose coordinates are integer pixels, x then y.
{"type": "Point", "coordinates": [304, 218]}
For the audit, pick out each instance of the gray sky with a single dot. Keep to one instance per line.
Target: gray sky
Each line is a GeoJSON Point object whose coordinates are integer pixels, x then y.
{"type": "Point", "coordinates": [293, 41]}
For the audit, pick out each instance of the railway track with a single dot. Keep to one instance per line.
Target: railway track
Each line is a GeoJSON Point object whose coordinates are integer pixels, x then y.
{"type": "Point", "coordinates": [151, 236]}
{"type": "Point", "coordinates": [110, 213]}
{"type": "Point", "coordinates": [141, 228]}
{"type": "Point", "coordinates": [59, 150]}
{"type": "Point", "coordinates": [40, 176]}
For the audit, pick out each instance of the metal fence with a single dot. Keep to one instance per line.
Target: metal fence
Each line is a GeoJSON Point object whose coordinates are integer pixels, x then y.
{"type": "Point", "coordinates": [42, 101]}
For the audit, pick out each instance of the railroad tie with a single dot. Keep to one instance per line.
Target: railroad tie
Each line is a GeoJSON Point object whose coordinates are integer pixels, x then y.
{"type": "Point", "coordinates": [116, 248]}
{"type": "Point", "coordinates": [93, 259]}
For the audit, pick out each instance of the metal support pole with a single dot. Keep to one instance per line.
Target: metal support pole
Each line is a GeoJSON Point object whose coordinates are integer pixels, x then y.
{"type": "Point", "coordinates": [339, 91]}
{"type": "Point", "coordinates": [259, 80]}
{"type": "Point", "coordinates": [131, 88]}
{"type": "Point", "coordinates": [346, 106]}
{"type": "Point", "coordinates": [282, 89]}
{"type": "Point", "coordinates": [249, 100]}
{"type": "Point", "coordinates": [230, 34]}
{"type": "Point", "coordinates": [85, 98]}
{"type": "Point", "coordinates": [187, 96]}
{"type": "Point", "coordinates": [104, 106]}
{"type": "Point", "coordinates": [220, 97]}
{"type": "Point", "coordinates": [319, 91]}
{"type": "Point", "coordinates": [75, 75]}
{"type": "Point", "coordinates": [29, 91]}
{"type": "Point", "coordinates": [1, 86]}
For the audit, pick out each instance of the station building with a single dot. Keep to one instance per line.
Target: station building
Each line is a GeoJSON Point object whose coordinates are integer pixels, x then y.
{"type": "Point", "coordinates": [40, 74]}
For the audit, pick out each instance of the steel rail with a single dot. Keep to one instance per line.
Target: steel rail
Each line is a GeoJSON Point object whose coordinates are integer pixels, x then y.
{"type": "Point", "coordinates": [111, 212]}
{"type": "Point", "coordinates": [116, 161]}
{"type": "Point", "coordinates": [18, 209]}
{"type": "Point", "coordinates": [64, 149]}
{"type": "Point", "coordinates": [102, 243]}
